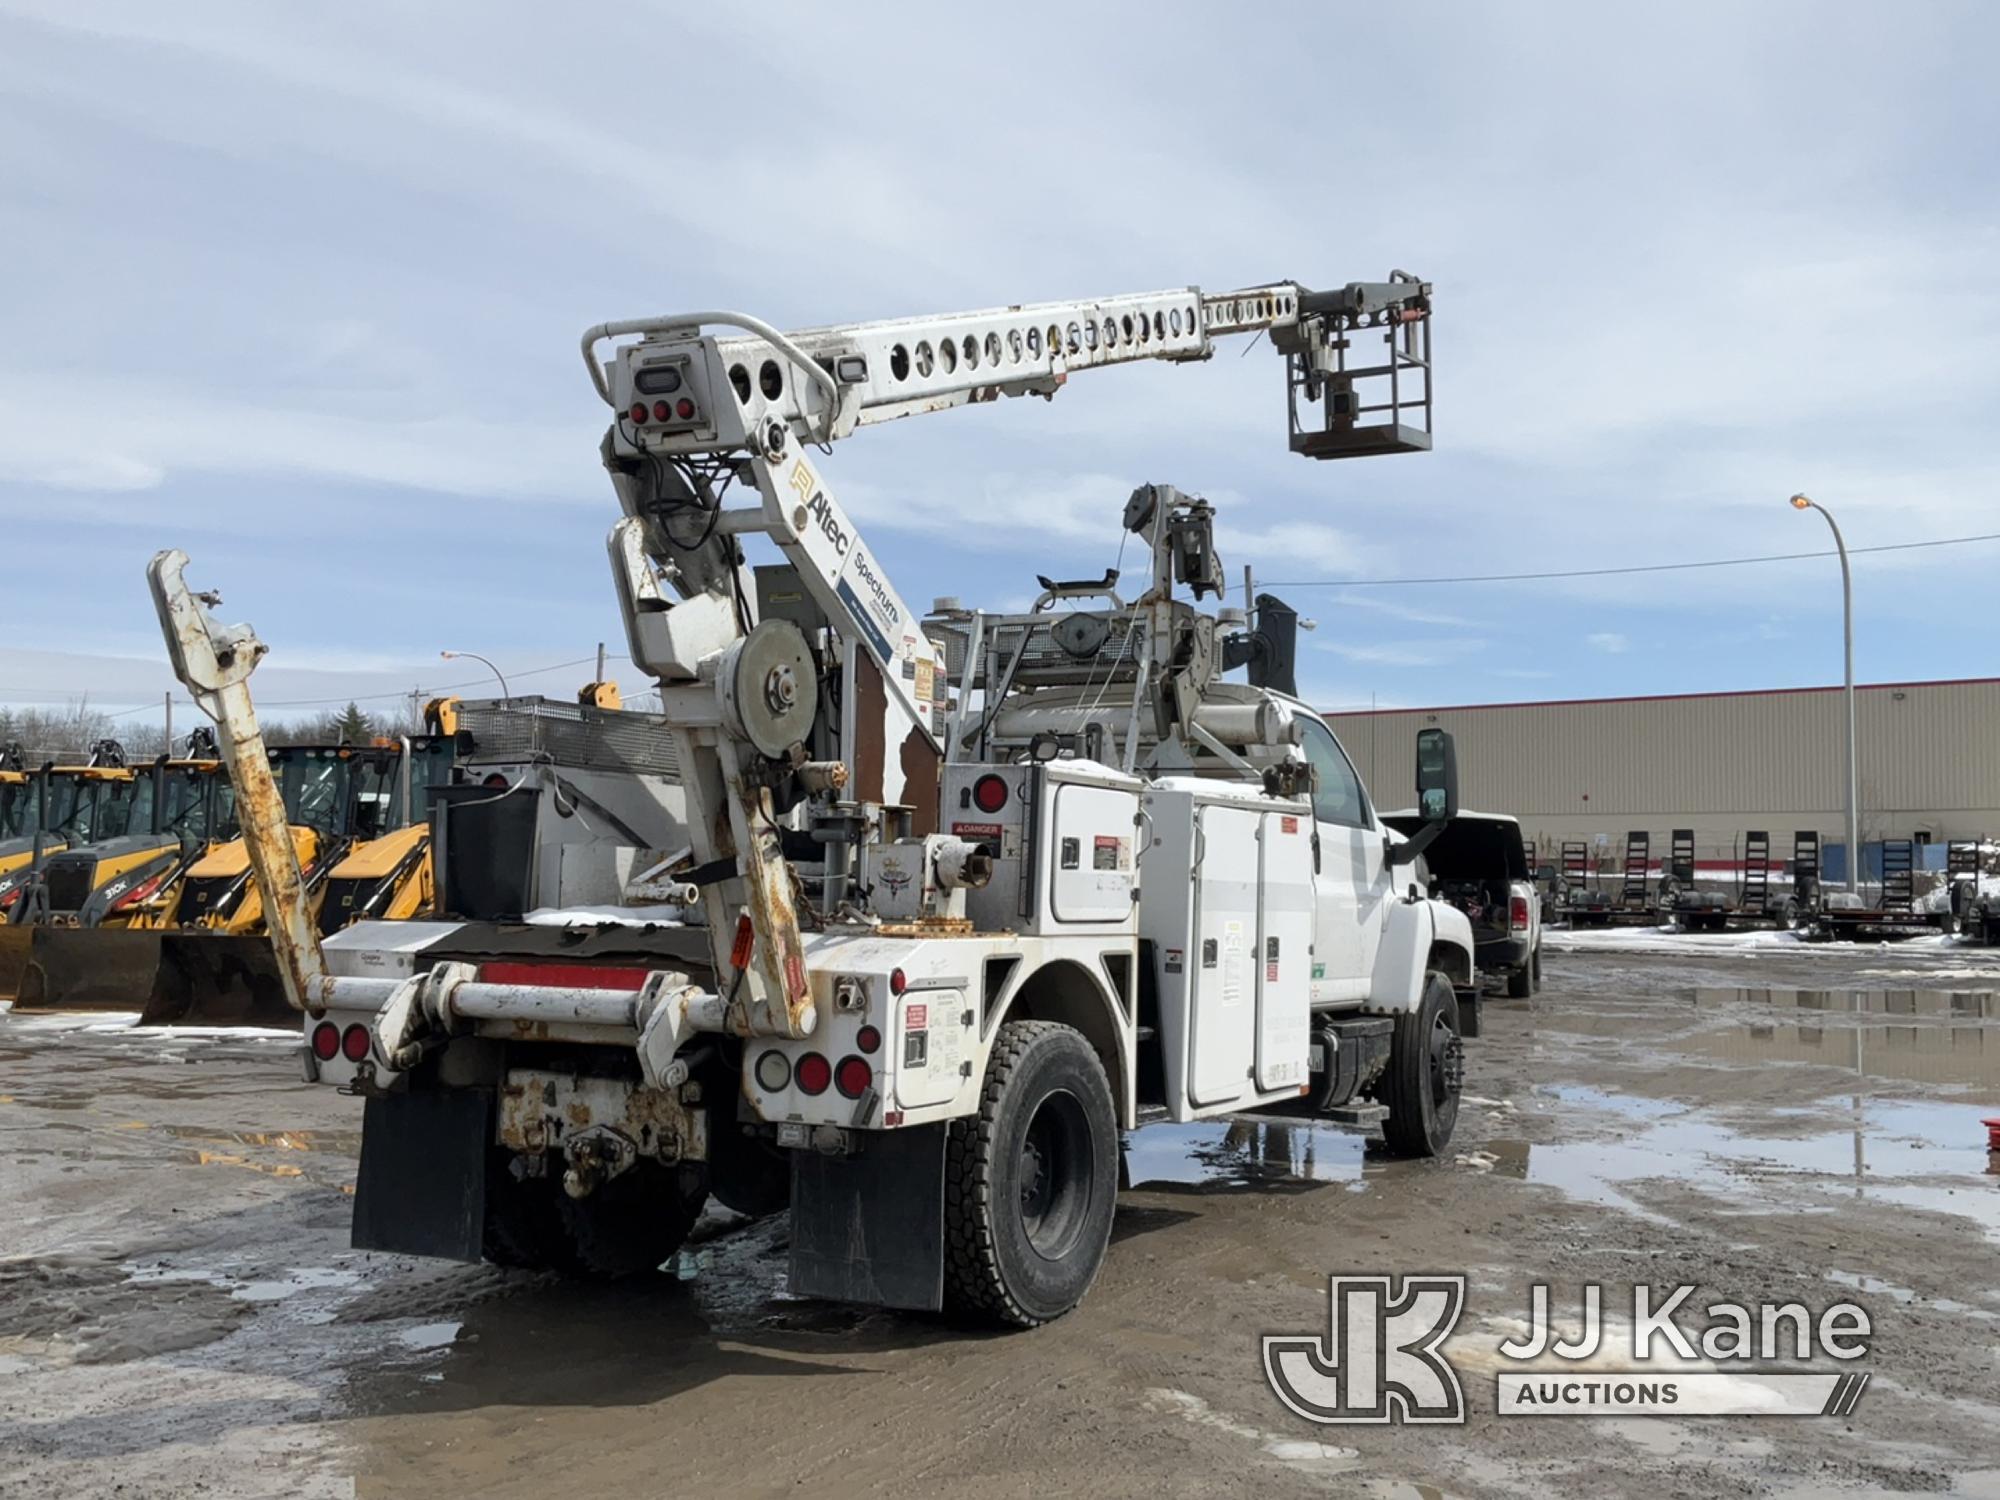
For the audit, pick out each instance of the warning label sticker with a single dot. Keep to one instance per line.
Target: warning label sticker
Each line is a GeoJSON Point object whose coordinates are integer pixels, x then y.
{"type": "Point", "coordinates": [976, 830]}
{"type": "Point", "coordinates": [916, 1016]}
{"type": "Point", "coordinates": [1110, 853]}
{"type": "Point", "coordinates": [1288, 824]}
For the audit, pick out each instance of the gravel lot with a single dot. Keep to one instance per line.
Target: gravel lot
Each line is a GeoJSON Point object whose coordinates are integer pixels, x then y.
{"type": "Point", "coordinates": [180, 1314]}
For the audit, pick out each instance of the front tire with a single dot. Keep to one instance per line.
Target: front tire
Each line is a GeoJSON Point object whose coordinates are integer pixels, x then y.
{"type": "Point", "coordinates": [1031, 1180]}
{"type": "Point", "coordinates": [1421, 1084]}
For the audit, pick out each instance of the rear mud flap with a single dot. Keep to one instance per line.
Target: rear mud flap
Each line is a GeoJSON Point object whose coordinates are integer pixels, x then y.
{"type": "Point", "coordinates": [88, 968]}
{"type": "Point", "coordinates": [870, 1227]}
{"type": "Point", "coordinates": [422, 1184]}
{"type": "Point", "coordinates": [215, 979]}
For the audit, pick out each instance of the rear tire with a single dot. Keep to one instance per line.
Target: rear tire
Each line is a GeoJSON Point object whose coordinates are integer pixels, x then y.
{"type": "Point", "coordinates": [747, 1173]}
{"type": "Point", "coordinates": [1521, 981]}
{"type": "Point", "coordinates": [631, 1224]}
{"type": "Point", "coordinates": [1421, 1084]}
{"type": "Point", "coordinates": [523, 1219]}
{"type": "Point", "coordinates": [1537, 960]}
{"type": "Point", "coordinates": [1031, 1180]}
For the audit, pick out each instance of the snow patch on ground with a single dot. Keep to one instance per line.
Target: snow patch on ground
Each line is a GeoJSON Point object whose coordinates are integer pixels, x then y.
{"type": "Point", "coordinates": [1670, 940]}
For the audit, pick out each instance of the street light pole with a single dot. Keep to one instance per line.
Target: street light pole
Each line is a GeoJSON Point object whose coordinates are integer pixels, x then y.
{"type": "Point", "coordinates": [1806, 502]}
{"type": "Point", "coordinates": [475, 656]}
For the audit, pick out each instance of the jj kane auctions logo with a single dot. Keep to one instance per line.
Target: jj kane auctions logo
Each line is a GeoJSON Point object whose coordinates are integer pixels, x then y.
{"type": "Point", "coordinates": [1382, 1357]}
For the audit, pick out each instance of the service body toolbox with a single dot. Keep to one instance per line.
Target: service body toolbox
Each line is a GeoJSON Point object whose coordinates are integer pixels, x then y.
{"type": "Point", "coordinates": [1226, 905]}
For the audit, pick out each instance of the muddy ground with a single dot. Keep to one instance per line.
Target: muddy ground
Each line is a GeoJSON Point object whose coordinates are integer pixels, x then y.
{"type": "Point", "coordinates": [180, 1316]}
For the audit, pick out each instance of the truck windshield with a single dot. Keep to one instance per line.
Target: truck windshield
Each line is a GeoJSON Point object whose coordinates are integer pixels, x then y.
{"type": "Point", "coordinates": [430, 765]}
{"type": "Point", "coordinates": [69, 809]}
{"type": "Point", "coordinates": [19, 803]}
{"type": "Point", "coordinates": [124, 806]}
{"type": "Point", "coordinates": [190, 799]}
{"type": "Point", "coordinates": [314, 784]}
{"type": "Point", "coordinates": [375, 780]}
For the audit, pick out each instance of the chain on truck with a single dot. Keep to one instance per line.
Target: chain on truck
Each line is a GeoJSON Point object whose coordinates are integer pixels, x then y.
{"type": "Point", "coordinates": [968, 896]}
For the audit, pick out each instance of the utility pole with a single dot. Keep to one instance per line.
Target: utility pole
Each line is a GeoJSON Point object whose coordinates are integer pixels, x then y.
{"type": "Point", "coordinates": [1806, 502]}
{"type": "Point", "coordinates": [168, 700]}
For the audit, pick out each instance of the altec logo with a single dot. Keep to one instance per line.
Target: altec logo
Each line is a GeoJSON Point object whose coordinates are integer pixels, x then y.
{"type": "Point", "coordinates": [1382, 1358]}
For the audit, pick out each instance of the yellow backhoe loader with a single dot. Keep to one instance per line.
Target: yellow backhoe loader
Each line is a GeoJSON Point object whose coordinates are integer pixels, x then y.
{"type": "Point", "coordinates": [44, 813]}
{"type": "Point", "coordinates": [95, 913]}
{"type": "Point", "coordinates": [357, 815]}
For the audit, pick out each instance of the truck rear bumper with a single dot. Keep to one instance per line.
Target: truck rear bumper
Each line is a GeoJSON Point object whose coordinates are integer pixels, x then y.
{"type": "Point", "coordinates": [1500, 953]}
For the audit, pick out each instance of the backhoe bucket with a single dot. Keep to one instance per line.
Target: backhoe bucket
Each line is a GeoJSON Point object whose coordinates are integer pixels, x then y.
{"type": "Point", "coordinates": [88, 968]}
{"type": "Point", "coordinates": [14, 943]}
{"type": "Point", "coordinates": [217, 979]}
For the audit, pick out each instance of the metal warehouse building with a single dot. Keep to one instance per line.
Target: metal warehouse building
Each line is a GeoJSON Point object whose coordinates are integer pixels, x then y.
{"type": "Point", "coordinates": [1717, 762]}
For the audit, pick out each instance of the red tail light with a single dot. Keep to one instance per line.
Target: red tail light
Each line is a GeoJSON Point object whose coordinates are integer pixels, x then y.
{"type": "Point", "coordinates": [138, 893]}
{"type": "Point", "coordinates": [638, 411]}
{"type": "Point", "coordinates": [739, 950]}
{"type": "Point", "coordinates": [1517, 913]}
{"type": "Point", "coordinates": [326, 1041]}
{"type": "Point", "coordinates": [354, 1044]}
{"type": "Point", "coordinates": [684, 409]}
{"type": "Point", "coordinates": [898, 981]}
{"type": "Point", "coordinates": [662, 411]}
{"type": "Point", "coordinates": [989, 793]}
{"type": "Point", "coordinates": [812, 1074]}
{"type": "Point", "coordinates": [853, 1076]}
{"type": "Point", "coordinates": [868, 1039]}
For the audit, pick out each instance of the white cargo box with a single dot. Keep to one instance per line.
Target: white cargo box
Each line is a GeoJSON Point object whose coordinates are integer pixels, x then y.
{"type": "Point", "coordinates": [1227, 906]}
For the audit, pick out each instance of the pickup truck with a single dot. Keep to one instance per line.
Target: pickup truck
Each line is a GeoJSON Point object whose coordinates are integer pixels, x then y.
{"type": "Point", "coordinates": [1479, 865]}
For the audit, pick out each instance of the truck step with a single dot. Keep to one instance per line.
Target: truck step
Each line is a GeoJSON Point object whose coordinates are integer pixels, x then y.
{"type": "Point", "coordinates": [1362, 1115]}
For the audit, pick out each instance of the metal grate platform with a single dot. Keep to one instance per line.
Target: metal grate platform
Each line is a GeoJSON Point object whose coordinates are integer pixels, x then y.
{"type": "Point", "coordinates": [570, 734]}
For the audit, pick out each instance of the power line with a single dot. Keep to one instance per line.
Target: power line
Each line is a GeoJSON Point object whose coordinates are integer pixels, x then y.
{"type": "Point", "coordinates": [339, 701]}
{"type": "Point", "coordinates": [1677, 567]}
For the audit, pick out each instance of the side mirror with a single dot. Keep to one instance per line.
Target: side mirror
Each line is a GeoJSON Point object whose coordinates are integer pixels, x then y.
{"type": "Point", "coordinates": [1437, 794]}
{"type": "Point", "coordinates": [1437, 776]}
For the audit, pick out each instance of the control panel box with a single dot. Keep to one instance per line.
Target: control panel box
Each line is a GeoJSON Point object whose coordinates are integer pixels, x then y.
{"type": "Point", "coordinates": [1064, 836]}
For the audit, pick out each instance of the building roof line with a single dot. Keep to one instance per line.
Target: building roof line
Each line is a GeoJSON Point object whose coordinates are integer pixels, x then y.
{"type": "Point", "coordinates": [1462, 708]}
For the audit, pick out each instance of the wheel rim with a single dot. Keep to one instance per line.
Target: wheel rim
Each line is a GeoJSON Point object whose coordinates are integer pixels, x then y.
{"type": "Point", "coordinates": [1057, 1165]}
{"type": "Point", "coordinates": [1445, 1051]}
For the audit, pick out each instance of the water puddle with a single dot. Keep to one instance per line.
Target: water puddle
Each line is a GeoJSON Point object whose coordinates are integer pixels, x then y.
{"type": "Point", "coordinates": [1915, 1154]}
{"type": "Point", "coordinates": [429, 1336]}
{"type": "Point", "coordinates": [1935, 1037]}
{"type": "Point", "coordinates": [1979, 1005]}
{"type": "Point", "coordinates": [1876, 1286]}
{"type": "Point", "coordinates": [1219, 1155]}
{"type": "Point", "coordinates": [340, 1142]}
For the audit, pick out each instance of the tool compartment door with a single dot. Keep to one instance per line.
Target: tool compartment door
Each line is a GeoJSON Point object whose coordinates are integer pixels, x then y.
{"type": "Point", "coordinates": [1090, 854]}
{"type": "Point", "coordinates": [1223, 966]}
{"type": "Point", "coordinates": [1283, 960]}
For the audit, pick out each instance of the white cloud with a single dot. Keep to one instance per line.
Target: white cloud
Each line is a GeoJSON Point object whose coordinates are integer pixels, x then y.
{"type": "Point", "coordinates": [339, 256]}
{"type": "Point", "coordinates": [1611, 642]}
{"type": "Point", "coordinates": [1403, 653]}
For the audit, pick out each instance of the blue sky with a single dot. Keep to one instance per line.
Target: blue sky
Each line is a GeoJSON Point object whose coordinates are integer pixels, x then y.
{"type": "Point", "coordinates": [297, 289]}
